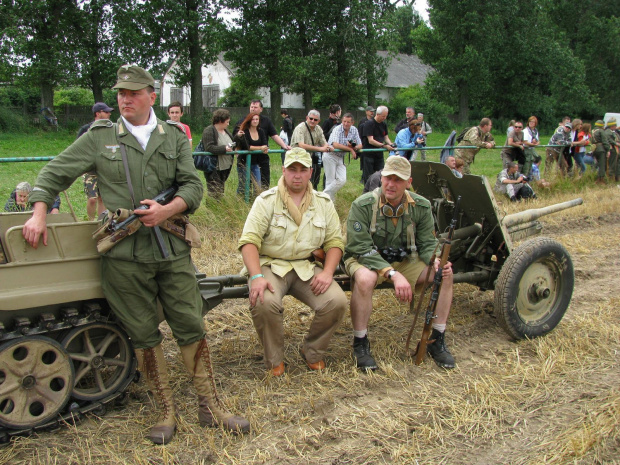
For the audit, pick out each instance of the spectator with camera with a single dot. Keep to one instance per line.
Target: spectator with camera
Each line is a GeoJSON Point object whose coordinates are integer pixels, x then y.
{"type": "Point", "coordinates": [346, 138]}
{"type": "Point", "coordinates": [409, 138]}
{"type": "Point", "coordinates": [514, 184]}
{"type": "Point", "coordinates": [390, 236]}
{"type": "Point", "coordinates": [309, 136]}
{"type": "Point", "coordinates": [219, 141]}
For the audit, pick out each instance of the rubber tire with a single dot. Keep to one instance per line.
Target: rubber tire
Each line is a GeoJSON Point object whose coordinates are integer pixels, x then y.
{"type": "Point", "coordinates": [540, 253]}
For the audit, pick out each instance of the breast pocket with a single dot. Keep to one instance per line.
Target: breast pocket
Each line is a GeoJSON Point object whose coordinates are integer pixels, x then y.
{"type": "Point", "coordinates": [110, 167]}
{"type": "Point", "coordinates": [277, 229]}
{"type": "Point", "coordinates": [379, 238]}
{"type": "Point", "coordinates": [167, 166]}
{"type": "Point", "coordinates": [319, 227]}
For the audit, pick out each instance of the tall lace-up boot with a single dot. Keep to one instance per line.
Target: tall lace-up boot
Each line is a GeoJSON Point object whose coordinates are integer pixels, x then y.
{"type": "Point", "coordinates": [438, 350]}
{"type": "Point", "coordinates": [211, 411]}
{"type": "Point", "coordinates": [153, 364]}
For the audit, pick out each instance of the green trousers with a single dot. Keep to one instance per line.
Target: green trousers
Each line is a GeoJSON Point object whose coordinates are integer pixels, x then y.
{"type": "Point", "coordinates": [132, 290]}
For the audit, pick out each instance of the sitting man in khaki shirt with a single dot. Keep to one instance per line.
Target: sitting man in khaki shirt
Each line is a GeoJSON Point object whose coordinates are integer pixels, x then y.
{"type": "Point", "coordinates": [286, 224]}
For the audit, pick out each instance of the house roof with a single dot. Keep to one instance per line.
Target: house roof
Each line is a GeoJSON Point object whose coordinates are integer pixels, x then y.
{"type": "Point", "coordinates": [405, 70]}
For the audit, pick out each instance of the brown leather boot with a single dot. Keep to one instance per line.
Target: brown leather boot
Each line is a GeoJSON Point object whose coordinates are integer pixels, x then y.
{"type": "Point", "coordinates": [153, 364]}
{"type": "Point", "coordinates": [211, 411]}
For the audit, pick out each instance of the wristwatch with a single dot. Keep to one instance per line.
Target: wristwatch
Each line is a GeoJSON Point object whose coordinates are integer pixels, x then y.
{"type": "Point", "coordinates": [391, 274]}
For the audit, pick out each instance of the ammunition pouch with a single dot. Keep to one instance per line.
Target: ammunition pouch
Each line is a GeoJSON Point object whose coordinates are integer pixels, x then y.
{"type": "Point", "coordinates": [107, 238]}
{"type": "Point", "coordinates": [179, 226]}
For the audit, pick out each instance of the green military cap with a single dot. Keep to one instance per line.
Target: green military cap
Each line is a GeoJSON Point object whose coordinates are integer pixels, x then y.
{"type": "Point", "coordinates": [611, 122]}
{"type": "Point", "coordinates": [599, 123]}
{"type": "Point", "coordinates": [133, 77]}
{"type": "Point", "coordinates": [297, 155]}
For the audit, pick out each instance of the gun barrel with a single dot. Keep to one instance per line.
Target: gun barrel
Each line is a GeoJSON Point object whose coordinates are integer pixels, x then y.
{"type": "Point", "coordinates": [535, 213]}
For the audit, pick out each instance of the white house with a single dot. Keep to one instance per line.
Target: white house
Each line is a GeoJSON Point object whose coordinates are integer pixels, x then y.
{"type": "Point", "coordinates": [403, 71]}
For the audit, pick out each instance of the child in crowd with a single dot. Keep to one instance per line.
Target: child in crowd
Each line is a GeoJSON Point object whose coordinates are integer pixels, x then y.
{"type": "Point", "coordinates": [535, 173]}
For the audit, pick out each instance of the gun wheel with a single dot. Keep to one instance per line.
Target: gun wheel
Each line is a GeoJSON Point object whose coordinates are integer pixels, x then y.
{"type": "Point", "coordinates": [534, 288]}
{"type": "Point", "coordinates": [36, 377]}
{"type": "Point", "coordinates": [103, 359]}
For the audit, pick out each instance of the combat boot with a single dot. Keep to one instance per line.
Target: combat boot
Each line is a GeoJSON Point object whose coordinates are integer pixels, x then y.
{"type": "Point", "coordinates": [438, 350]}
{"type": "Point", "coordinates": [361, 351]}
{"type": "Point", "coordinates": [153, 365]}
{"type": "Point", "coordinates": [211, 411]}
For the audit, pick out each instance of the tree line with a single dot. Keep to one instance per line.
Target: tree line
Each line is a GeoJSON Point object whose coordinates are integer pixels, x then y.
{"type": "Point", "coordinates": [494, 58]}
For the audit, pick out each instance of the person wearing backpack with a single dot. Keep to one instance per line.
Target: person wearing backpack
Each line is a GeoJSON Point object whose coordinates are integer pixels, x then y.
{"type": "Point", "coordinates": [479, 136]}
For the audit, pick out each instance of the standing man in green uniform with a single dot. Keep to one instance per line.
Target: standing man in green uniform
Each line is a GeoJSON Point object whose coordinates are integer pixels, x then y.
{"type": "Point", "coordinates": [479, 136]}
{"type": "Point", "coordinates": [390, 237]}
{"type": "Point", "coordinates": [602, 149]}
{"type": "Point", "coordinates": [134, 275]}
{"type": "Point", "coordinates": [614, 148]}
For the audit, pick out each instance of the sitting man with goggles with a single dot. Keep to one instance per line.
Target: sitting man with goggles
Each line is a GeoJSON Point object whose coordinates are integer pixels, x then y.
{"type": "Point", "coordinates": [390, 237]}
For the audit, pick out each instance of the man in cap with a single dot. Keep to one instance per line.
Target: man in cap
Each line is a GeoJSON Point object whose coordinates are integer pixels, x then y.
{"type": "Point", "coordinates": [562, 140]}
{"type": "Point", "coordinates": [135, 159]}
{"type": "Point", "coordinates": [390, 237]}
{"type": "Point", "coordinates": [286, 227]}
{"type": "Point", "coordinates": [93, 199]}
{"type": "Point", "coordinates": [601, 142]}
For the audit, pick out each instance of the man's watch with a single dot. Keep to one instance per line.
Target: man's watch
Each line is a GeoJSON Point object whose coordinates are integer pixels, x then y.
{"type": "Point", "coordinates": [391, 274]}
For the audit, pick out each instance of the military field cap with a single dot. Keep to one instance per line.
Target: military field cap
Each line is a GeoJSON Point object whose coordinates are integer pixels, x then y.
{"type": "Point", "coordinates": [370, 108]}
{"type": "Point", "coordinates": [24, 187]}
{"type": "Point", "coordinates": [611, 122]}
{"type": "Point", "coordinates": [568, 125]}
{"type": "Point", "coordinates": [100, 106]}
{"type": "Point", "coordinates": [133, 77]}
{"type": "Point", "coordinates": [297, 155]}
{"type": "Point", "coordinates": [599, 123]}
{"type": "Point", "coordinates": [399, 166]}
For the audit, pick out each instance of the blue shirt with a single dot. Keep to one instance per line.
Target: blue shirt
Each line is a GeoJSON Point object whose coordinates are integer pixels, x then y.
{"type": "Point", "coordinates": [406, 140]}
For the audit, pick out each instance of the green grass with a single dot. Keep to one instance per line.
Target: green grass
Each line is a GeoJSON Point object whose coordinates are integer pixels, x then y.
{"type": "Point", "coordinates": [231, 211]}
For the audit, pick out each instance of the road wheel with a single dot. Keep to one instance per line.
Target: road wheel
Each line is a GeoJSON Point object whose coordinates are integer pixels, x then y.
{"type": "Point", "coordinates": [103, 360]}
{"type": "Point", "coordinates": [36, 378]}
{"type": "Point", "coordinates": [534, 288]}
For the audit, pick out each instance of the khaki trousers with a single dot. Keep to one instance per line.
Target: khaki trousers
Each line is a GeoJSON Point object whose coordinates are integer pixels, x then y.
{"type": "Point", "coordinates": [268, 317]}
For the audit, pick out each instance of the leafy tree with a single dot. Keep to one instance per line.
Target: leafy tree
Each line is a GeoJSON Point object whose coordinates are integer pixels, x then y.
{"type": "Point", "coordinates": [434, 111]}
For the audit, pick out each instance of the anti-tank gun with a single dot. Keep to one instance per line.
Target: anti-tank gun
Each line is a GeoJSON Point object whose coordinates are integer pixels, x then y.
{"type": "Point", "coordinates": [533, 282]}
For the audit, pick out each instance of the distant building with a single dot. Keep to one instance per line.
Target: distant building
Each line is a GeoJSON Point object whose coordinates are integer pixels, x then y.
{"type": "Point", "coordinates": [403, 71]}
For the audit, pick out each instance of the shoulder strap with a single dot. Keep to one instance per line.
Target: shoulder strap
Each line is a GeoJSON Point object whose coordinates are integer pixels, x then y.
{"type": "Point", "coordinates": [375, 208]}
{"type": "Point", "coordinates": [309, 132]}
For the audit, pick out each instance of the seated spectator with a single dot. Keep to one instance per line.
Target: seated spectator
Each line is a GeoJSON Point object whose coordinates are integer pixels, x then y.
{"type": "Point", "coordinates": [459, 166]}
{"type": "Point", "coordinates": [344, 137]}
{"type": "Point", "coordinates": [536, 173]}
{"type": "Point", "coordinates": [219, 141]}
{"type": "Point", "coordinates": [286, 225]}
{"type": "Point", "coordinates": [451, 163]}
{"type": "Point", "coordinates": [514, 149]}
{"type": "Point", "coordinates": [18, 200]}
{"type": "Point", "coordinates": [250, 137]}
{"type": "Point", "coordinates": [555, 153]}
{"type": "Point", "coordinates": [409, 138]}
{"type": "Point", "coordinates": [513, 184]}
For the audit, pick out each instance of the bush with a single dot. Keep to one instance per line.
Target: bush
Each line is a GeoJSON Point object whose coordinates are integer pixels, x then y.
{"type": "Point", "coordinates": [73, 96]}
{"type": "Point", "coordinates": [11, 121]}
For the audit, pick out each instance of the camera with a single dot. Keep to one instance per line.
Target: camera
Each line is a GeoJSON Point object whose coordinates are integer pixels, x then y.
{"type": "Point", "coordinates": [526, 178]}
{"type": "Point", "coordinates": [393, 254]}
{"type": "Point", "coordinates": [351, 142]}
{"type": "Point", "coordinates": [232, 145]}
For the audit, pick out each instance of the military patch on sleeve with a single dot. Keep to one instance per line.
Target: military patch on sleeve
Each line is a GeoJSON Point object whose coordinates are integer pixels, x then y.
{"type": "Point", "coordinates": [357, 226]}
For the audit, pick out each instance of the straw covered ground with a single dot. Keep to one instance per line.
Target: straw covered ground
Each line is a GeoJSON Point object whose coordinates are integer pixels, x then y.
{"type": "Point", "coordinates": [553, 400]}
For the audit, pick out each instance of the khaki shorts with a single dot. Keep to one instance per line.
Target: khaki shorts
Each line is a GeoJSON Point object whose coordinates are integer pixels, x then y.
{"type": "Point", "coordinates": [410, 269]}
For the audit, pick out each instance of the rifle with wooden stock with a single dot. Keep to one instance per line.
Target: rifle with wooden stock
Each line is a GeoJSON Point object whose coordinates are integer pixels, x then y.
{"type": "Point", "coordinates": [435, 288]}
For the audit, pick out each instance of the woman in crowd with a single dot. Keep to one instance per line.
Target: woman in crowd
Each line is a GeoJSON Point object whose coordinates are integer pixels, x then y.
{"type": "Point", "coordinates": [511, 126]}
{"type": "Point", "coordinates": [251, 137]}
{"type": "Point", "coordinates": [583, 139]}
{"type": "Point", "coordinates": [531, 139]}
{"type": "Point", "coordinates": [218, 140]}
{"type": "Point", "coordinates": [409, 138]}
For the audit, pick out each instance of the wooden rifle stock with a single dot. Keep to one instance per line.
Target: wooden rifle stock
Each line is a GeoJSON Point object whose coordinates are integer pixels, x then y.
{"type": "Point", "coordinates": [435, 289]}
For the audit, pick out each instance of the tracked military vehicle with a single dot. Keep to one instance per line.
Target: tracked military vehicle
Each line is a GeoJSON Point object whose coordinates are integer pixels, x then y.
{"type": "Point", "coordinates": [63, 354]}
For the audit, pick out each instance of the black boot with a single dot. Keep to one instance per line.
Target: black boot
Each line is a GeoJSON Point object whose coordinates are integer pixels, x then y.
{"type": "Point", "coordinates": [361, 350]}
{"type": "Point", "coordinates": [438, 350]}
